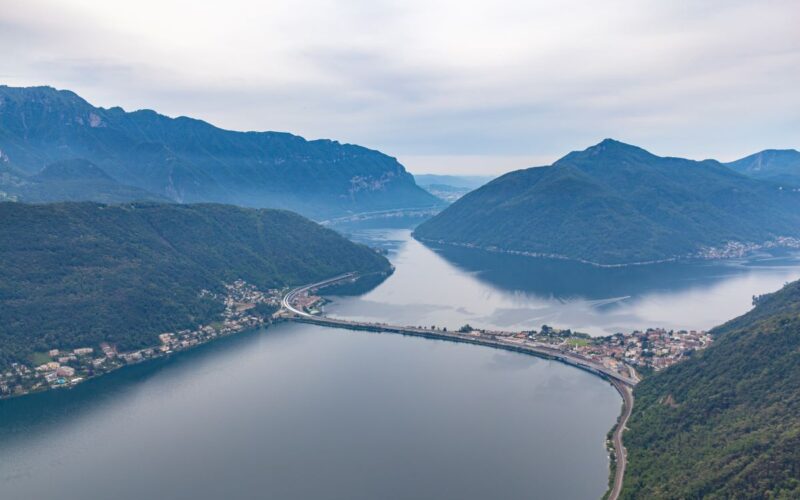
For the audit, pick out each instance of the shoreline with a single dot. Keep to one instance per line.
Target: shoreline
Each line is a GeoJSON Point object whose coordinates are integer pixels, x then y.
{"type": "Point", "coordinates": [734, 250]}
{"type": "Point", "coordinates": [160, 357]}
{"type": "Point", "coordinates": [623, 385]}
{"type": "Point", "coordinates": [73, 367]}
{"type": "Point", "coordinates": [551, 354]}
{"type": "Point", "coordinates": [157, 355]}
{"type": "Point", "coordinates": [623, 388]}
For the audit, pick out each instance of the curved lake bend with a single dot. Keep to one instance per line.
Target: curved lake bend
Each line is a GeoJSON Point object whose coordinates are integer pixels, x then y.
{"type": "Point", "coordinates": [451, 286]}
{"type": "Point", "coordinates": [305, 412]}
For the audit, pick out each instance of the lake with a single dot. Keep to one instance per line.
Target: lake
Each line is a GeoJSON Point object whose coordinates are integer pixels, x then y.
{"type": "Point", "coordinates": [451, 286]}
{"type": "Point", "coordinates": [304, 412]}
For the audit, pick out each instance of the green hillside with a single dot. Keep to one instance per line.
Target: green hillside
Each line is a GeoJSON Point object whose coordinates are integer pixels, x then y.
{"type": "Point", "coordinates": [614, 204]}
{"type": "Point", "coordinates": [725, 424]}
{"type": "Point", "coordinates": [76, 274]}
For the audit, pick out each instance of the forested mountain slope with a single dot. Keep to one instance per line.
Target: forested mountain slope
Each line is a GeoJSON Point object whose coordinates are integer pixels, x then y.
{"type": "Point", "coordinates": [616, 204]}
{"type": "Point", "coordinates": [76, 274]}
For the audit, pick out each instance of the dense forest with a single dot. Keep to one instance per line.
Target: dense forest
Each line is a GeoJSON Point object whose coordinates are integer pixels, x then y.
{"type": "Point", "coordinates": [726, 423]}
{"type": "Point", "coordinates": [75, 274]}
{"type": "Point", "coordinates": [614, 203]}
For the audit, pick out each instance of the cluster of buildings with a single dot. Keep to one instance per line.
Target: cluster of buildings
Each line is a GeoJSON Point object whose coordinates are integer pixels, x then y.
{"type": "Point", "coordinates": [654, 348]}
{"type": "Point", "coordinates": [241, 296]}
{"type": "Point", "coordinates": [308, 302]}
{"type": "Point", "coordinates": [64, 368]}
{"type": "Point", "coordinates": [61, 368]}
{"type": "Point", "coordinates": [737, 249]}
{"type": "Point", "coordinates": [623, 353]}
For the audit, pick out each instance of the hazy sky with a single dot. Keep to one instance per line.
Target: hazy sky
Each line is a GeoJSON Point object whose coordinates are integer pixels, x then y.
{"type": "Point", "coordinates": [446, 86]}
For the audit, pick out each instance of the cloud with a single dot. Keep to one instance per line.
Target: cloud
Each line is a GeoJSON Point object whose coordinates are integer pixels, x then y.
{"type": "Point", "coordinates": [468, 82]}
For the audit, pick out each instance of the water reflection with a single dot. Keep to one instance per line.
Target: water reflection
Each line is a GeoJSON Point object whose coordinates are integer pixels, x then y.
{"type": "Point", "coordinates": [305, 412]}
{"type": "Point", "coordinates": [450, 286]}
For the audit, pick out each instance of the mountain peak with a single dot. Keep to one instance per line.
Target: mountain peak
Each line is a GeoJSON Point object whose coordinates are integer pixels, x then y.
{"type": "Point", "coordinates": [607, 151]}
{"type": "Point", "coordinates": [611, 142]}
{"type": "Point", "coordinates": [608, 145]}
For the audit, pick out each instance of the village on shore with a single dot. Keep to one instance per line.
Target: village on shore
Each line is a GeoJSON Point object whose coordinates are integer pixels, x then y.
{"type": "Point", "coordinates": [651, 349]}
{"type": "Point", "coordinates": [245, 308]}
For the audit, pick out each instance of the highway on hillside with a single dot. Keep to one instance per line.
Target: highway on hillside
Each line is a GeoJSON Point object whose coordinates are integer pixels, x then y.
{"type": "Point", "coordinates": [620, 453]}
{"type": "Point", "coordinates": [501, 340]}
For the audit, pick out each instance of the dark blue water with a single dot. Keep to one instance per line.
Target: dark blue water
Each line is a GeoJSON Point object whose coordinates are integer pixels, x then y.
{"type": "Point", "coordinates": [302, 412]}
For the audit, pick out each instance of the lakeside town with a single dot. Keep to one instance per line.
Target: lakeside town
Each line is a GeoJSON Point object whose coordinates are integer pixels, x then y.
{"type": "Point", "coordinates": [246, 308]}
{"type": "Point", "coordinates": [638, 352]}
{"type": "Point", "coordinates": [650, 349]}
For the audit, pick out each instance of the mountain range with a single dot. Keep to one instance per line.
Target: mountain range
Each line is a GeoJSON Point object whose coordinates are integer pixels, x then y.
{"type": "Point", "coordinates": [615, 204]}
{"type": "Point", "coordinates": [152, 156]}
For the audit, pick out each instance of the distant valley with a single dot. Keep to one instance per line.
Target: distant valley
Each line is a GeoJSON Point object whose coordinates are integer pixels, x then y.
{"type": "Point", "coordinates": [450, 187]}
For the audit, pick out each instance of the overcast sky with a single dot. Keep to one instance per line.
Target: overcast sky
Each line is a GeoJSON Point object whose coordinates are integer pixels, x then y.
{"type": "Point", "coordinates": [445, 86]}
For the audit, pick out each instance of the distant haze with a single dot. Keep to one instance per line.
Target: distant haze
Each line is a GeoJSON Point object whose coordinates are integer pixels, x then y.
{"type": "Point", "coordinates": [448, 87]}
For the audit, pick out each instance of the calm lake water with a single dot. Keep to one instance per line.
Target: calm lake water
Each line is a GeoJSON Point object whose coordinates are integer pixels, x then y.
{"type": "Point", "coordinates": [447, 286]}
{"type": "Point", "coordinates": [303, 412]}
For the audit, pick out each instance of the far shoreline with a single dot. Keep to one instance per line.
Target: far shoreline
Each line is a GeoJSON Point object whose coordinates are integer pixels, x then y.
{"type": "Point", "coordinates": [741, 252]}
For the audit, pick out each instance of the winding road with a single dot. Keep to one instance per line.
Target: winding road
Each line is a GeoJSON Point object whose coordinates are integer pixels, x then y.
{"type": "Point", "coordinates": [501, 340]}
{"type": "Point", "coordinates": [620, 453]}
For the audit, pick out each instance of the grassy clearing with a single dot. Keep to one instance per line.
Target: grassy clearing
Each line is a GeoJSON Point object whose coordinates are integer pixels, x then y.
{"type": "Point", "coordinates": [40, 358]}
{"type": "Point", "coordinates": [578, 342]}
